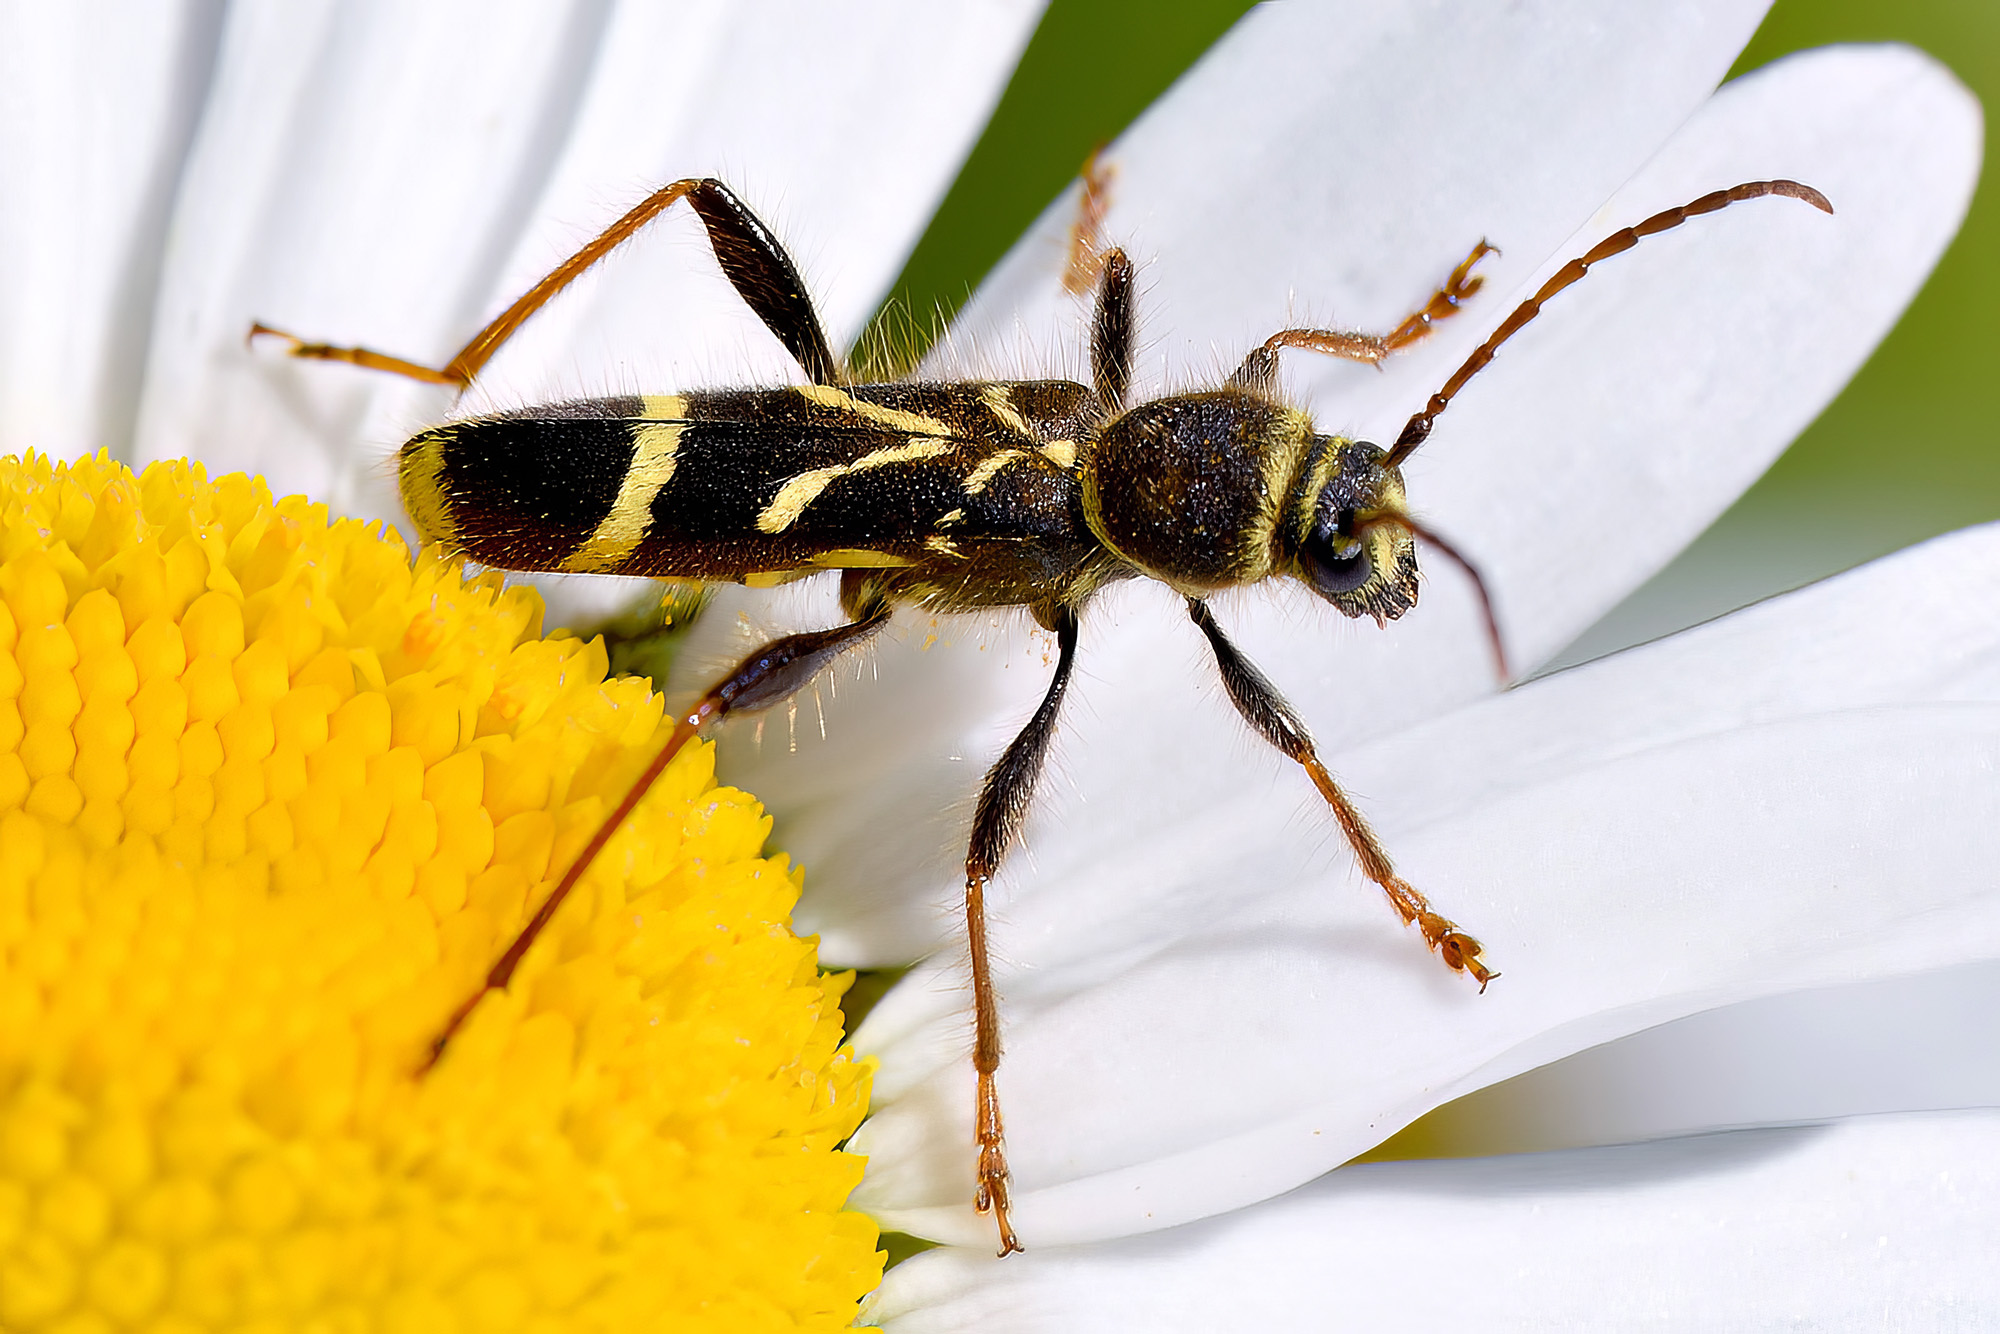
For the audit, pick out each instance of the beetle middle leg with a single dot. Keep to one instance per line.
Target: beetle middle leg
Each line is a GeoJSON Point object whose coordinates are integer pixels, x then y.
{"type": "Point", "coordinates": [771, 675]}
{"type": "Point", "coordinates": [1003, 804]}
{"type": "Point", "coordinates": [1112, 332]}
{"type": "Point", "coordinates": [750, 255]}
{"type": "Point", "coordinates": [1273, 719]}
{"type": "Point", "coordinates": [1259, 371]}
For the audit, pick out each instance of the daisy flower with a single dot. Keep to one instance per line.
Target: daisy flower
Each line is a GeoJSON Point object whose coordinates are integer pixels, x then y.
{"type": "Point", "coordinates": [1205, 1009]}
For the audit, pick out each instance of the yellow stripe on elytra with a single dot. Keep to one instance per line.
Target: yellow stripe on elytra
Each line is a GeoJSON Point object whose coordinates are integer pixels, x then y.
{"type": "Point", "coordinates": [656, 447]}
{"type": "Point", "coordinates": [802, 490]}
{"type": "Point", "coordinates": [989, 467]}
{"type": "Point", "coordinates": [912, 423]}
{"type": "Point", "coordinates": [999, 401]}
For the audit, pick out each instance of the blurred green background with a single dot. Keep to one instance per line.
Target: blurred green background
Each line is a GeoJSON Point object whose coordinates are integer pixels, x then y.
{"type": "Point", "coordinates": [1905, 453]}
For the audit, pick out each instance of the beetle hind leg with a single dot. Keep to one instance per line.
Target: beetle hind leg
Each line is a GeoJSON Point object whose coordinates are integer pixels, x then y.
{"type": "Point", "coordinates": [771, 675]}
{"type": "Point", "coordinates": [751, 257]}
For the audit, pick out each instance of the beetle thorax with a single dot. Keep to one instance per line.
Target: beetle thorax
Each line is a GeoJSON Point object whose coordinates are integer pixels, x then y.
{"type": "Point", "coordinates": [1192, 489]}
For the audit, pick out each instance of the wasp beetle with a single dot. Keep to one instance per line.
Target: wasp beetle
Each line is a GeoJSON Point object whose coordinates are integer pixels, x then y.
{"type": "Point", "coordinates": [957, 496]}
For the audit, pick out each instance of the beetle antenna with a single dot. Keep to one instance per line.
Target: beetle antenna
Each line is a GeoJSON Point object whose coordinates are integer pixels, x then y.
{"type": "Point", "coordinates": [1419, 427]}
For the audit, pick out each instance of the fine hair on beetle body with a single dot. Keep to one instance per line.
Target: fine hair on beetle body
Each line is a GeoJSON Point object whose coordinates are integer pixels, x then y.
{"type": "Point", "coordinates": [963, 496]}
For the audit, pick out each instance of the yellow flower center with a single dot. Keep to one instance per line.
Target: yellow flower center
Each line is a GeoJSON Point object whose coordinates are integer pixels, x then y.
{"type": "Point", "coordinates": [271, 802]}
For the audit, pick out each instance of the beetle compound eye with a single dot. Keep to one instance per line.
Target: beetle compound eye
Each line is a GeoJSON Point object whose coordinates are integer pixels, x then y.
{"type": "Point", "coordinates": [1334, 562]}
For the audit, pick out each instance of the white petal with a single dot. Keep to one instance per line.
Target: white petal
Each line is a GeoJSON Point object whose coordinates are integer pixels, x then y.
{"type": "Point", "coordinates": [97, 101]}
{"type": "Point", "coordinates": [1884, 1223]}
{"type": "Point", "coordinates": [394, 177]}
{"type": "Point", "coordinates": [1297, 158]}
{"type": "Point", "coordinates": [1204, 1020]}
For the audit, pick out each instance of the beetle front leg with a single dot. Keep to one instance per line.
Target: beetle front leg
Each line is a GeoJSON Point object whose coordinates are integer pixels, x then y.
{"type": "Point", "coordinates": [1273, 719]}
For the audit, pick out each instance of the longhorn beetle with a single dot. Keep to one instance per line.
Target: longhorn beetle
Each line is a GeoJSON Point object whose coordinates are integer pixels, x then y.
{"type": "Point", "coordinates": [956, 496]}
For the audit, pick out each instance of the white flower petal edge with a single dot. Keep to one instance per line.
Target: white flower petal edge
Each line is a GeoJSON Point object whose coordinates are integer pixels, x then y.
{"type": "Point", "coordinates": [1257, 1021]}
{"type": "Point", "coordinates": [1655, 392]}
{"type": "Point", "coordinates": [1920, 1042]}
{"type": "Point", "coordinates": [97, 101]}
{"type": "Point", "coordinates": [393, 177]}
{"type": "Point", "coordinates": [1883, 1222]}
